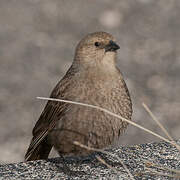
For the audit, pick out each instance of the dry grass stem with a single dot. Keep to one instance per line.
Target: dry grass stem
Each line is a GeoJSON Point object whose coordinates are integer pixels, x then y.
{"type": "Point", "coordinates": [106, 164]}
{"type": "Point", "coordinates": [112, 114]}
{"type": "Point", "coordinates": [171, 141]}
{"type": "Point", "coordinates": [162, 174]}
{"type": "Point", "coordinates": [162, 167]}
{"type": "Point", "coordinates": [160, 125]}
{"type": "Point", "coordinates": [105, 152]}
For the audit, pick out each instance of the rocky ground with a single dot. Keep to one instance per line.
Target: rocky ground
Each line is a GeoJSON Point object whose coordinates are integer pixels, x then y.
{"type": "Point", "coordinates": [37, 40]}
{"type": "Point", "coordinates": [146, 161]}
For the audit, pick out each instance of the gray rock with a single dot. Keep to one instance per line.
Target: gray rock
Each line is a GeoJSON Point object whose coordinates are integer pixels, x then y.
{"type": "Point", "coordinates": [134, 157]}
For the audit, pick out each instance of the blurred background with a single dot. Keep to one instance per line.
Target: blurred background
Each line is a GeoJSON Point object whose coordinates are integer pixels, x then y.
{"type": "Point", "coordinates": [37, 41]}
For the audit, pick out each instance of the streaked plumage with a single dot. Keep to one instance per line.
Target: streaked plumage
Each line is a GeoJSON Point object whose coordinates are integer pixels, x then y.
{"type": "Point", "coordinates": [93, 78]}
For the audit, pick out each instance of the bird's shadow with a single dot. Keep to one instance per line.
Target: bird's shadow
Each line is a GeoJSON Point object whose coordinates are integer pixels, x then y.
{"type": "Point", "coordinates": [68, 164]}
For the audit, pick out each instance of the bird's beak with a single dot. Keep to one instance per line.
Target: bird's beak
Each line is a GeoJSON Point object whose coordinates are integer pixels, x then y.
{"type": "Point", "coordinates": [111, 46]}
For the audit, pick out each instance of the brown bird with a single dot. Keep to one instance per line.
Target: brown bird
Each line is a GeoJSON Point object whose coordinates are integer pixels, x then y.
{"type": "Point", "coordinates": [93, 78]}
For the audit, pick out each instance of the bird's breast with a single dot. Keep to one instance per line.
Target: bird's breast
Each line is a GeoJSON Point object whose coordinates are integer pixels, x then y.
{"type": "Point", "coordinates": [88, 125]}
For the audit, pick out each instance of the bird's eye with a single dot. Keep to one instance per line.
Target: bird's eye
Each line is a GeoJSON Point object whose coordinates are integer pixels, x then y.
{"type": "Point", "coordinates": [97, 44]}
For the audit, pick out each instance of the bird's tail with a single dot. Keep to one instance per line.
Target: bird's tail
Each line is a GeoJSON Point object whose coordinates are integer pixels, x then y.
{"type": "Point", "coordinates": [41, 151]}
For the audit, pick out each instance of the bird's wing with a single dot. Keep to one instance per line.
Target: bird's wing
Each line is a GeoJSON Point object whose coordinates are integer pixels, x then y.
{"type": "Point", "coordinates": [52, 113]}
{"type": "Point", "coordinates": [47, 121]}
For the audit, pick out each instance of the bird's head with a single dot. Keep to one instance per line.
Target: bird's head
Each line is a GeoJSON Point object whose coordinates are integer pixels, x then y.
{"type": "Point", "coordinates": [96, 49]}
